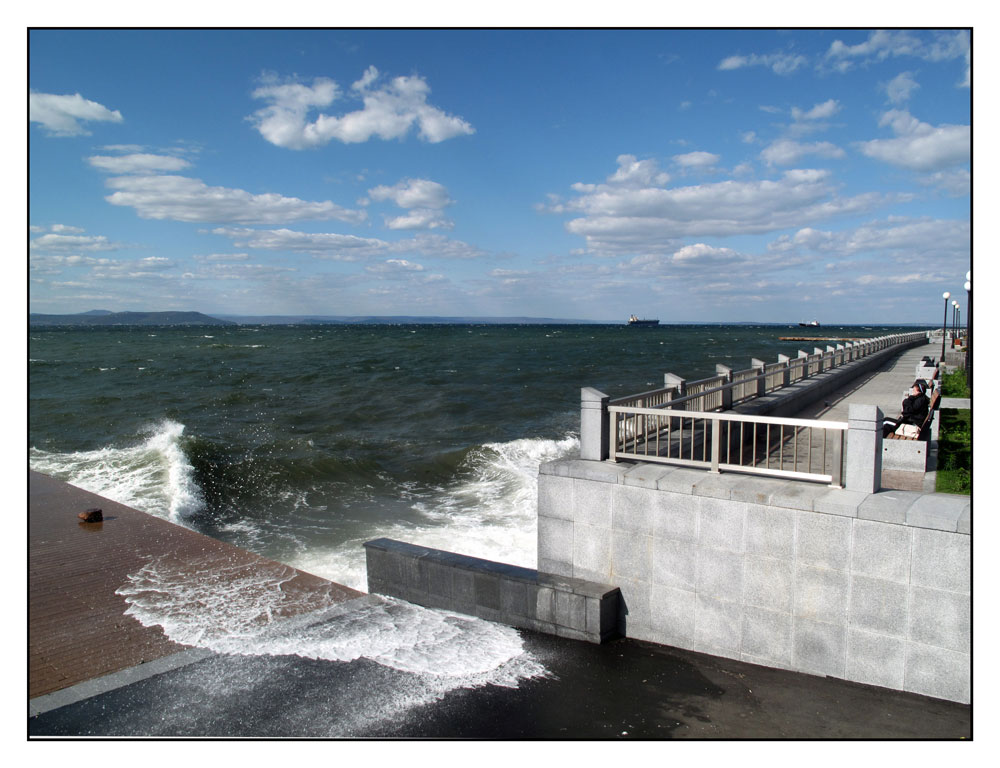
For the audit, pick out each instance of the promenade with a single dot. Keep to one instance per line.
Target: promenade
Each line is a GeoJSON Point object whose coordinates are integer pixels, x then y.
{"type": "Point", "coordinates": [95, 671]}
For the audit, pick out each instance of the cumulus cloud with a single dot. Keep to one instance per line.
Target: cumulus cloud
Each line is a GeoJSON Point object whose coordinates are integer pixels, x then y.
{"type": "Point", "coordinates": [919, 146]}
{"type": "Point", "coordinates": [900, 87]}
{"type": "Point", "coordinates": [819, 112]}
{"type": "Point", "coordinates": [650, 219]}
{"type": "Point", "coordinates": [422, 197]}
{"type": "Point", "coordinates": [789, 152]}
{"type": "Point", "coordinates": [62, 115]}
{"type": "Point", "coordinates": [389, 112]}
{"type": "Point", "coordinates": [779, 63]}
{"type": "Point", "coordinates": [696, 160]}
{"type": "Point", "coordinates": [905, 239]}
{"type": "Point", "coordinates": [633, 172]}
{"type": "Point", "coordinates": [882, 45]}
{"type": "Point", "coordinates": [138, 163]}
{"type": "Point", "coordinates": [59, 243]}
{"type": "Point", "coordinates": [181, 198]}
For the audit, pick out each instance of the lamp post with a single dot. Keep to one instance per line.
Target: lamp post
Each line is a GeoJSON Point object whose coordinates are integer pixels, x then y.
{"type": "Point", "coordinates": [944, 325]}
{"type": "Point", "coordinates": [968, 332]}
{"type": "Point", "coordinates": [954, 322]}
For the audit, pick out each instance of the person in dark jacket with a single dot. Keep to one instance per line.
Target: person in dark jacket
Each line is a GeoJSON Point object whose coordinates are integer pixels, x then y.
{"type": "Point", "coordinates": [915, 407]}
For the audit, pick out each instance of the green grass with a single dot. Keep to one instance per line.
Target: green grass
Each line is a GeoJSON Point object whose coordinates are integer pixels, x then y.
{"type": "Point", "coordinates": [954, 384]}
{"type": "Point", "coordinates": [954, 473]}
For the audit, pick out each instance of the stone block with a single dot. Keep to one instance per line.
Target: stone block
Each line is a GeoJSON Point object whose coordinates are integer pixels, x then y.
{"type": "Point", "coordinates": [634, 509]}
{"type": "Point", "coordinates": [545, 605]}
{"type": "Point", "coordinates": [592, 553]}
{"type": "Point", "coordinates": [415, 574]}
{"type": "Point", "coordinates": [819, 648]}
{"type": "Point", "coordinates": [720, 575]}
{"type": "Point", "coordinates": [676, 518]}
{"type": "Point", "coordinates": [555, 497]}
{"type": "Point", "coordinates": [722, 524]}
{"type": "Point", "coordinates": [754, 490]}
{"type": "Point", "coordinates": [555, 544]}
{"type": "Point", "coordinates": [888, 506]}
{"type": "Point", "coordinates": [592, 503]}
{"type": "Point", "coordinates": [463, 587]}
{"type": "Point", "coordinates": [941, 560]}
{"type": "Point", "coordinates": [680, 481]}
{"type": "Point", "coordinates": [839, 501]}
{"type": "Point", "coordinates": [570, 610]}
{"type": "Point", "coordinates": [795, 494]}
{"type": "Point", "coordinates": [672, 613]}
{"type": "Point", "coordinates": [515, 599]}
{"type": "Point", "coordinates": [629, 556]}
{"type": "Point", "coordinates": [878, 606]}
{"type": "Point", "coordinates": [646, 475]}
{"type": "Point", "coordinates": [881, 550]}
{"type": "Point", "coordinates": [823, 540]}
{"type": "Point", "coordinates": [713, 486]}
{"type": "Point", "coordinates": [938, 672]}
{"type": "Point", "coordinates": [941, 619]}
{"type": "Point", "coordinates": [767, 636]}
{"type": "Point", "coordinates": [674, 563]}
{"type": "Point", "coordinates": [821, 594]}
{"type": "Point", "coordinates": [487, 586]}
{"type": "Point", "coordinates": [941, 511]}
{"type": "Point", "coordinates": [767, 583]}
{"type": "Point", "coordinates": [875, 659]}
{"type": "Point", "coordinates": [770, 531]}
{"type": "Point", "coordinates": [718, 625]}
{"type": "Point", "coordinates": [635, 601]}
{"type": "Point", "coordinates": [439, 579]}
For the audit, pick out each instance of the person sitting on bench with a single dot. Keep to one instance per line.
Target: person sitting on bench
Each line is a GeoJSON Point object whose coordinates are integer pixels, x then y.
{"type": "Point", "coordinates": [914, 409]}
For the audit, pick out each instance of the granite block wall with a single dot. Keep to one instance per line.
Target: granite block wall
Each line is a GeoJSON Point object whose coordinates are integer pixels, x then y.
{"type": "Point", "coordinates": [872, 588]}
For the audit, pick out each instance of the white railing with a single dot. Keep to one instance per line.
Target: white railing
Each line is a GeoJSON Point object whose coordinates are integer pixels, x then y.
{"type": "Point", "coordinates": [793, 448]}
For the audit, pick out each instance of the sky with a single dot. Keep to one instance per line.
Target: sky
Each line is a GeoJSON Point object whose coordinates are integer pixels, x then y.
{"type": "Point", "coordinates": [679, 174]}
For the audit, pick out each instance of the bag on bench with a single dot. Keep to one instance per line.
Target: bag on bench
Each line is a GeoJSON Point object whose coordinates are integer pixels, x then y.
{"type": "Point", "coordinates": [908, 430]}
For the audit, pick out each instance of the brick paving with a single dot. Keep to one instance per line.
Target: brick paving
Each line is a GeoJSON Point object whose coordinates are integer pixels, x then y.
{"type": "Point", "coordinates": [77, 627]}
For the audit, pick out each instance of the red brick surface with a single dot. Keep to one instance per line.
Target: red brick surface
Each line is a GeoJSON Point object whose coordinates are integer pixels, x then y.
{"type": "Point", "coordinates": [77, 627]}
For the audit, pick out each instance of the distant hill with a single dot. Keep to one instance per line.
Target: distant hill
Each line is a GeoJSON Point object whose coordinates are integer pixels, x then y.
{"type": "Point", "coordinates": [98, 317]}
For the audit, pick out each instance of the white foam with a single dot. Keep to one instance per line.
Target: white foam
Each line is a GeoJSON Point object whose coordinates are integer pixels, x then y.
{"type": "Point", "coordinates": [154, 476]}
{"type": "Point", "coordinates": [249, 612]}
{"type": "Point", "coordinates": [490, 512]}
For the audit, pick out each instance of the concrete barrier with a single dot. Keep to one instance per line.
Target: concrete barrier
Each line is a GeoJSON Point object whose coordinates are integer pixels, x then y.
{"type": "Point", "coordinates": [507, 594]}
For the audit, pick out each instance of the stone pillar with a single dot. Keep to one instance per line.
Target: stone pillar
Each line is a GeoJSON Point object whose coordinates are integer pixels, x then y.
{"type": "Point", "coordinates": [864, 448]}
{"type": "Point", "coordinates": [820, 352]}
{"type": "Point", "coordinates": [786, 374]}
{"type": "Point", "coordinates": [727, 393]}
{"type": "Point", "coordinates": [805, 365]}
{"type": "Point", "coordinates": [760, 365]}
{"type": "Point", "coordinates": [675, 381]}
{"type": "Point", "coordinates": [594, 427]}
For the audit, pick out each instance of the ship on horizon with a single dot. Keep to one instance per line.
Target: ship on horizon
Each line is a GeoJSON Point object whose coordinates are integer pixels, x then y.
{"type": "Point", "coordinates": [813, 324]}
{"type": "Point", "coordinates": [635, 321]}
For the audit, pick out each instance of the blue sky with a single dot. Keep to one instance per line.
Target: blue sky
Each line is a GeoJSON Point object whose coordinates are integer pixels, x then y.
{"type": "Point", "coordinates": [680, 174]}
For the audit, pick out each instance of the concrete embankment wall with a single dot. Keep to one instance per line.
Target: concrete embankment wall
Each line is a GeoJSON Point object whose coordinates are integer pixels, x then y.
{"type": "Point", "coordinates": [873, 588]}
{"type": "Point", "coordinates": [519, 597]}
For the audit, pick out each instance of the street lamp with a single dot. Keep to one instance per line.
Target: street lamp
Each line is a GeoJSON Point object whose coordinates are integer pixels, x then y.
{"type": "Point", "coordinates": [944, 325]}
{"type": "Point", "coordinates": [954, 322]}
{"type": "Point", "coordinates": [968, 332]}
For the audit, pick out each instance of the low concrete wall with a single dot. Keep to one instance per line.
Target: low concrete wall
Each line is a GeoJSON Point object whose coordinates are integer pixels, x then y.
{"type": "Point", "coordinates": [520, 597]}
{"type": "Point", "coordinates": [869, 587]}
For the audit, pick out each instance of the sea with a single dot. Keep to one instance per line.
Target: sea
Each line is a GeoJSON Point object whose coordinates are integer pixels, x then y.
{"type": "Point", "coordinates": [301, 442]}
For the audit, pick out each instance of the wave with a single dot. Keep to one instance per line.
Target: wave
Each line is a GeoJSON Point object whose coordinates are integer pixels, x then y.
{"type": "Point", "coordinates": [487, 510]}
{"type": "Point", "coordinates": [244, 611]}
{"type": "Point", "coordinates": [154, 476]}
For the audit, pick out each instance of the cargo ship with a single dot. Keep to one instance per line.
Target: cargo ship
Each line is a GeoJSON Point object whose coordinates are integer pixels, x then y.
{"type": "Point", "coordinates": [635, 321]}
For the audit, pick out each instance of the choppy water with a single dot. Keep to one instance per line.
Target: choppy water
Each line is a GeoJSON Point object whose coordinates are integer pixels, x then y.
{"type": "Point", "coordinates": [302, 442]}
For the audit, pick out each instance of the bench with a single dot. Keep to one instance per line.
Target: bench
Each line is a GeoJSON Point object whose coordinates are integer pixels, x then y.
{"type": "Point", "coordinates": [935, 398]}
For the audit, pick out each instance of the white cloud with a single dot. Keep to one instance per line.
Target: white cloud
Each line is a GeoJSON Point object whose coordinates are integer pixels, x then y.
{"type": "Point", "coordinates": [637, 173]}
{"type": "Point", "coordinates": [900, 87]}
{"type": "Point", "coordinates": [419, 218]}
{"type": "Point", "coordinates": [919, 146]}
{"type": "Point", "coordinates": [779, 63]}
{"type": "Point", "coordinates": [56, 243]}
{"type": "Point", "coordinates": [819, 112]}
{"type": "Point", "coordinates": [62, 114]}
{"type": "Point", "coordinates": [413, 193]}
{"type": "Point", "coordinates": [394, 268]}
{"type": "Point", "coordinates": [696, 160]}
{"type": "Point", "coordinates": [325, 244]}
{"type": "Point", "coordinates": [882, 45]}
{"type": "Point", "coordinates": [138, 163]}
{"type": "Point", "coordinates": [181, 198]}
{"type": "Point", "coordinates": [389, 112]}
{"type": "Point", "coordinates": [651, 219]}
{"type": "Point", "coordinates": [788, 152]}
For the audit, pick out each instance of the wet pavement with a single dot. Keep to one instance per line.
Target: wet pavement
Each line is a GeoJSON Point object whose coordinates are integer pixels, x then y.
{"type": "Point", "coordinates": [621, 690]}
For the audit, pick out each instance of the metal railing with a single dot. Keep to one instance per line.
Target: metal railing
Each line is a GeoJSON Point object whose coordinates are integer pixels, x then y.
{"type": "Point", "coordinates": [793, 448]}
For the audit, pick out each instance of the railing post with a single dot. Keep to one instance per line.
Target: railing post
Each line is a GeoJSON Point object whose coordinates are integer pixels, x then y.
{"type": "Point", "coordinates": [820, 352]}
{"type": "Point", "coordinates": [842, 352]}
{"type": "Point", "coordinates": [864, 448]}
{"type": "Point", "coordinates": [761, 366]}
{"type": "Point", "coordinates": [727, 393]}
{"type": "Point", "coordinates": [595, 425]}
{"type": "Point", "coordinates": [786, 373]}
{"type": "Point", "coordinates": [832, 351]}
{"type": "Point", "coordinates": [805, 365]}
{"type": "Point", "coordinates": [716, 439]}
{"type": "Point", "coordinates": [675, 381]}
